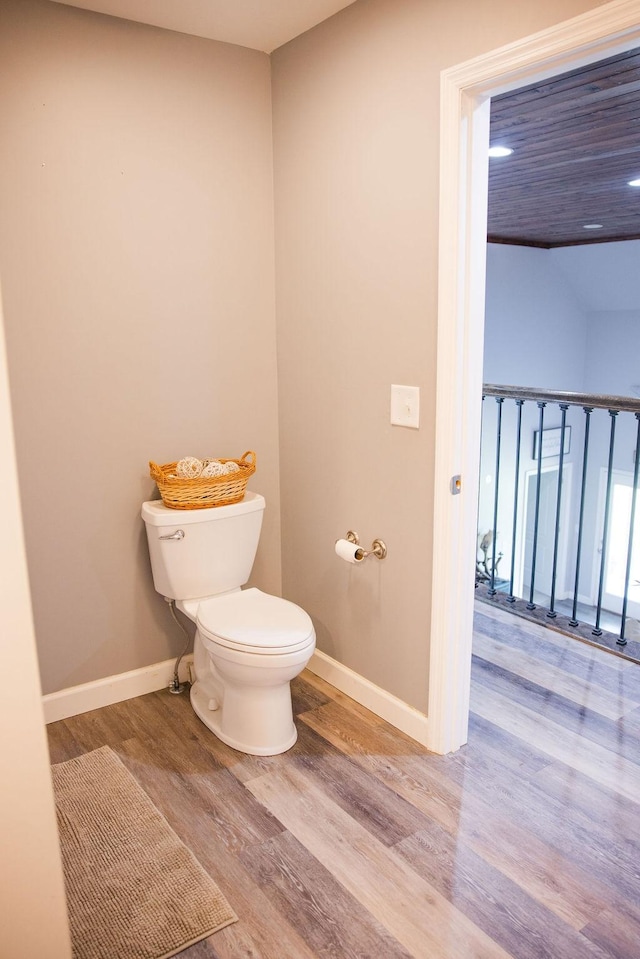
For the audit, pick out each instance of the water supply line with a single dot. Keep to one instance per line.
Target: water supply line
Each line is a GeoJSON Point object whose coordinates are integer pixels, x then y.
{"type": "Point", "coordinates": [176, 686]}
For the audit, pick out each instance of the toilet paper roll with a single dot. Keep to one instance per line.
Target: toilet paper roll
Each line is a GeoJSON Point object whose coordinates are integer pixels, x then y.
{"type": "Point", "coordinates": [349, 552]}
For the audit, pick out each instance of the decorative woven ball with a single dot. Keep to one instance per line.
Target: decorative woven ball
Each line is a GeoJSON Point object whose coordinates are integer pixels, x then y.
{"type": "Point", "coordinates": [189, 468]}
{"type": "Point", "coordinates": [213, 468]}
{"type": "Point", "coordinates": [231, 467]}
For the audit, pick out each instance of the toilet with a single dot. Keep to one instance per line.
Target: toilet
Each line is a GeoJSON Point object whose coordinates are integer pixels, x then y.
{"type": "Point", "coordinates": [248, 645]}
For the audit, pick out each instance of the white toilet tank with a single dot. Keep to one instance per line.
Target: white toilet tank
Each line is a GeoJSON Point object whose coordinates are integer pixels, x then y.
{"type": "Point", "coordinates": [201, 552]}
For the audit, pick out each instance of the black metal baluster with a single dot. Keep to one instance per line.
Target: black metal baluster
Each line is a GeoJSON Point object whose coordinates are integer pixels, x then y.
{"type": "Point", "coordinates": [531, 604]}
{"type": "Point", "coordinates": [588, 410]}
{"type": "Point", "coordinates": [511, 598]}
{"type": "Point", "coordinates": [621, 641]}
{"type": "Point", "coordinates": [556, 539]}
{"type": "Point", "coordinates": [596, 631]}
{"type": "Point", "coordinates": [492, 590]}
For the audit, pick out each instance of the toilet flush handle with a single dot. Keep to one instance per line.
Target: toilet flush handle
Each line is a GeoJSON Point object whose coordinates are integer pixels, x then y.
{"type": "Point", "coordinates": [179, 534]}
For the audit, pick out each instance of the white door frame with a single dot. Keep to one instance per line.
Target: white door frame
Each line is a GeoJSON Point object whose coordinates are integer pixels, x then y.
{"type": "Point", "coordinates": [33, 905]}
{"type": "Point", "coordinates": [464, 136]}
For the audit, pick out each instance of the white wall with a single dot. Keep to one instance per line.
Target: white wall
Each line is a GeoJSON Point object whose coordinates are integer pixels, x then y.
{"type": "Point", "coordinates": [535, 325]}
{"type": "Point", "coordinates": [612, 363]}
{"type": "Point", "coordinates": [567, 318]}
{"type": "Point", "coordinates": [604, 276]}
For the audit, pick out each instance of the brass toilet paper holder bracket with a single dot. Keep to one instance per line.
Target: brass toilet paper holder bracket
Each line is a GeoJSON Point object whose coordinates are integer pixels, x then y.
{"type": "Point", "coordinates": [378, 547]}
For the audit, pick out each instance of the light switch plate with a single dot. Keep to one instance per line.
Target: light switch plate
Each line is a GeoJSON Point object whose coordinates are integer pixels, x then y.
{"type": "Point", "coordinates": [405, 406]}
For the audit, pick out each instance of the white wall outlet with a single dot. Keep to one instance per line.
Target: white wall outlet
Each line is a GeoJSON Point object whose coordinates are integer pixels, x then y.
{"type": "Point", "coordinates": [405, 406]}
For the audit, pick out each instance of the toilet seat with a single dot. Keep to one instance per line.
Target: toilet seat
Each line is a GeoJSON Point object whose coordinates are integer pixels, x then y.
{"type": "Point", "coordinates": [255, 622]}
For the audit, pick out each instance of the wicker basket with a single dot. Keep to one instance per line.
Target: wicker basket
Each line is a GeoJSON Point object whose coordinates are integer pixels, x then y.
{"type": "Point", "coordinates": [203, 493]}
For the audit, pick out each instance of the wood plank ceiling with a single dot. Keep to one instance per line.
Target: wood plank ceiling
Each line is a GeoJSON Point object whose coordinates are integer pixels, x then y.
{"type": "Point", "coordinates": [576, 144]}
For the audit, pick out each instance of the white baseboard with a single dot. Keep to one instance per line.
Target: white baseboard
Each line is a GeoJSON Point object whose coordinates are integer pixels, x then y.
{"type": "Point", "coordinates": [393, 710]}
{"type": "Point", "coordinates": [148, 679]}
{"type": "Point", "coordinates": [112, 689]}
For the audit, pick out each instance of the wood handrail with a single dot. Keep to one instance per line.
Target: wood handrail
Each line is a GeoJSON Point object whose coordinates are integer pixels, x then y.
{"type": "Point", "coordinates": [596, 401]}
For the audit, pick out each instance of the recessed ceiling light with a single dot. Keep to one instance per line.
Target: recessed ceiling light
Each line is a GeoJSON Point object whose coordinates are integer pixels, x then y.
{"type": "Point", "coordinates": [500, 151]}
{"type": "Point", "coordinates": [592, 226]}
{"type": "Point", "coordinates": [634, 182]}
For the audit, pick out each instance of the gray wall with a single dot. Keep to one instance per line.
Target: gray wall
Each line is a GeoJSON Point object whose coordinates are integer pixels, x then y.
{"type": "Point", "coordinates": [138, 273]}
{"type": "Point", "coordinates": [356, 121]}
{"type": "Point", "coordinates": [136, 253]}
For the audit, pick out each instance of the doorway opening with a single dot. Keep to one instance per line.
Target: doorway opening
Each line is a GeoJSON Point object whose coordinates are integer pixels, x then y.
{"type": "Point", "coordinates": [465, 112]}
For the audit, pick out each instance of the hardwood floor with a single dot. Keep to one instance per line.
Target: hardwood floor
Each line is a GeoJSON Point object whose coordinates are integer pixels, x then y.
{"type": "Point", "coordinates": [360, 843]}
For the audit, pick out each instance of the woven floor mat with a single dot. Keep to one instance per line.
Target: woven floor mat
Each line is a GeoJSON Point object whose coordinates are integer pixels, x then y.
{"type": "Point", "coordinates": [134, 890]}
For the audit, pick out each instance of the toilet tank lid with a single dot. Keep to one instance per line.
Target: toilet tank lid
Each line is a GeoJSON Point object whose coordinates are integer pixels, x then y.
{"type": "Point", "coordinates": [155, 513]}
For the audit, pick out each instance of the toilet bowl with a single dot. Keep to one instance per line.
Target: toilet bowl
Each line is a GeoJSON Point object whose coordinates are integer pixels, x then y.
{"type": "Point", "coordinates": [247, 649]}
{"type": "Point", "coordinates": [248, 644]}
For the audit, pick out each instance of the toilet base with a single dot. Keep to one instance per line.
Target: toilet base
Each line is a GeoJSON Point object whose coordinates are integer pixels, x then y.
{"type": "Point", "coordinates": [275, 736]}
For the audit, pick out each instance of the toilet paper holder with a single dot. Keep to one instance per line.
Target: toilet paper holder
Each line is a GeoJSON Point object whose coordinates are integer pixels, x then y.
{"type": "Point", "coordinates": [378, 547]}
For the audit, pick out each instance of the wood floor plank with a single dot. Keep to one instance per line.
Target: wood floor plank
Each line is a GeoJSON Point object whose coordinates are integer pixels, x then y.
{"type": "Point", "coordinates": [495, 748]}
{"type": "Point", "coordinates": [264, 933]}
{"type": "Point", "coordinates": [62, 744]}
{"type": "Point", "coordinates": [628, 726]}
{"type": "Point", "coordinates": [536, 696]}
{"type": "Point", "coordinates": [575, 658]}
{"type": "Point", "coordinates": [429, 793]}
{"type": "Point", "coordinates": [410, 909]}
{"type": "Point", "coordinates": [380, 810]}
{"type": "Point", "coordinates": [522, 925]}
{"type": "Point", "coordinates": [579, 690]}
{"type": "Point", "coordinates": [331, 920]}
{"type": "Point", "coordinates": [617, 817]}
{"type": "Point", "coordinates": [353, 736]}
{"type": "Point", "coordinates": [305, 695]}
{"type": "Point", "coordinates": [593, 760]}
{"type": "Point", "coordinates": [479, 800]}
{"type": "Point", "coordinates": [548, 642]}
{"type": "Point", "coordinates": [360, 843]}
{"type": "Point", "coordinates": [335, 695]}
{"type": "Point", "coordinates": [433, 784]}
{"type": "Point", "coordinates": [550, 876]}
{"type": "Point", "coordinates": [586, 839]}
{"type": "Point", "coordinates": [616, 938]}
